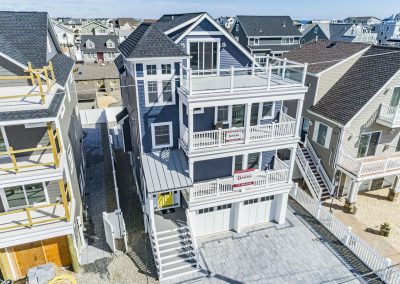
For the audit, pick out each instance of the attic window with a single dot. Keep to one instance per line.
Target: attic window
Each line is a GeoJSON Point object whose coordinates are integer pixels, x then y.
{"type": "Point", "coordinates": [110, 44]}
{"type": "Point", "coordinates": [333, 44]}
{"type": "Point", "coordinates": [89, 44]}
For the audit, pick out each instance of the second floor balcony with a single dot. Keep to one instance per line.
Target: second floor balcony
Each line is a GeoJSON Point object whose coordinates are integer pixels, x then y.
{"type": "Point", "coordinates": [276, 74]}
{"type": "Point", "coordinates": [389, 116]}
{"type": "Point", "coordinates": [260, 180]}
{"type": "Point", "coordinates": [375, 166]}
{"type": "Point", "coordinates": [282, 129]}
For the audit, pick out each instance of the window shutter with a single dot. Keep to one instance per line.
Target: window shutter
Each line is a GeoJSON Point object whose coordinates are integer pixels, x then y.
{"type": "Point", "coordinates": [328, 137]}
{"type": "Point", "coordinates": [315, 133]}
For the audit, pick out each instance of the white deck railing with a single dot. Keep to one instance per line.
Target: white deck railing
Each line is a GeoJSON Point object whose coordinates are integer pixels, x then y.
{"type": "Point", "coordinates": [230, 136]}
{"type": "Point", "coordinates": [389, 114]}
{"type": "Point", "coordinates": [360, 167]}
{"type": "Point", "coordinates": [364, 251]}
{"type": "Point", "coordinates": [278, 73]}
{"type": "Point", "coordinates": [262, 179]}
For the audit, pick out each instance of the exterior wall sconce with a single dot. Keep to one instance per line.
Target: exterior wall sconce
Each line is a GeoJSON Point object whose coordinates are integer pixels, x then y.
{"type": "Point", "coordinates": [223, 44]}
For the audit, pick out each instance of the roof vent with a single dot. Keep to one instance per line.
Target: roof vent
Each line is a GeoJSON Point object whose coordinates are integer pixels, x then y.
{"type": "Point", "coordinates": [284, 24]}
{"type": "Point", "coordinates": [332, 45]}
{"type": "Point", "coordinates": [260, 30]}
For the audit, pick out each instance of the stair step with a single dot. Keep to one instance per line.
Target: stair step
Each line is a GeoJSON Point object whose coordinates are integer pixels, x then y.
{"type": "Point", "coordinates": [176, 240]}
{"type": "Point", "coordinates": [179, 251]}
{"type": "Point", "coordinates": [178, 266]}
{"type": "Point", "coordinates": [172, 230]}
{"type": "Point", "coordinates": [175, 246]}
{"type": "Point", "coordinates": [171, 236]}
{"type": "Point", "coordinates": [179, 272]}
{"type": "Point", "coordinates": [166, 262]}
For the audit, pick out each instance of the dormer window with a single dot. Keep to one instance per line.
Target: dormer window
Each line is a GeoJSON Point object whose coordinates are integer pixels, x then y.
{"type": "Point", "coordinates": [256, 41]}
{"type": "Point", "coordinates": [110, 44]}
{"type": "Point", "coordinates": [89, 44]}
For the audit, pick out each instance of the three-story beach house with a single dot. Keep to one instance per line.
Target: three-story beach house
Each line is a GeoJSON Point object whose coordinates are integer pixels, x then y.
{"type": "Point", "coordinates": [41, 162]}
{"type": "Point", "coordinates": [213, 141]}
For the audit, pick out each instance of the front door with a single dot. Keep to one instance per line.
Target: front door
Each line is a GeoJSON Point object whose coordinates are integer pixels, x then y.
{"type": "Point", "coordinates": [100, 57]}
{"type": "Point", "coordinates": [165, 199]}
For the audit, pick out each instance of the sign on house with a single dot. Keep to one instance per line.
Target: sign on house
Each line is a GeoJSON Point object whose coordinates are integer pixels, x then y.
{"type": "Point", "coordinates": [234, 135]}
{"type": "Point", "coordinates": [244, 178]}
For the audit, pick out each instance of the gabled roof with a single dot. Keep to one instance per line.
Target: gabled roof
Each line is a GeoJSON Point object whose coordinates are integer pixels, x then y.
{"type": "Point", "coordinates": [359, 84]}
{"type": "Point", "coordinates": [94, 22]}
{"type": "Point", "coordinates": [324, 52]}
{"type": "Point", "coordinates": [99, 43]}
{"type": "Point", "coordinates": [268, 26]}
{"type": "Point", "coordinates": [130, 21]}
{"type": "Point", "coordinates": [23, 37]}
{"type": "Point", "coordinates": [167, 22]}
{"type": "Point", "coordinates": [149, 41]}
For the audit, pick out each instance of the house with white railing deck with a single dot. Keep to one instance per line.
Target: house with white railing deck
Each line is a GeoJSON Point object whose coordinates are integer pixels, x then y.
{"type": "Point", "coordinates": [351, 125]}
{"type": "Point", "coordinates": [214, 134]}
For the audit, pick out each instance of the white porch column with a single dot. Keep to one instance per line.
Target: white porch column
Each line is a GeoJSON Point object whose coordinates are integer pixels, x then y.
{"type": "Point", "coordinates": [394, 192]}
{"type": "Point", "coordinates": [292, 161]}
{"type": "Point", "coordinates": [298, 116]}
{"type": "Point", "coordinates": [190, 128]}
{"type": "Point", "coordinates": [247, 119]}
{"type": "Point", "coordinates": [180, 118]}
{"type": "Point", "coordinates": [281, 206]}
{"type": "Point", "coordinates": [237, 207]}
{"type": "Point", "coordinates": [349, 206]}
{"type": "Point", "coordinates": [191, 169]}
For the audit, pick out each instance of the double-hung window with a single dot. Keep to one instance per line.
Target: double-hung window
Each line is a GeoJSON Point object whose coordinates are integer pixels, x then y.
{"type": "Point", "coordinates": [167, 91]}
{"type": "Point", "coordinates": [151, 69]}
{"type": "Point", "coordinates": [368, 144]}
{"type": "Point", "coordinates": [152, 91]}
{"type": "Point", "coordinates": [223, 114]}
{"type": "Point", "coordinates": [268, 110]}
{"type": "Point", "coordinates": [166, 69]}
{"type": "Point", "coordinates": [322, 134]}
{"type": "Point", "coordinates": [161, 135]}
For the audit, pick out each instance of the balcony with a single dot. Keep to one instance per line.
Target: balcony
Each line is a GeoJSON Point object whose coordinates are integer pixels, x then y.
{"type": "Point", "coordinates": [261, 180]}
{"type": "Point", "coordinates": [35, 90]}
{"type": "Point", "coordinates": [33, 158]}
{"type": "Point", "coordinates": [285, 128]}
{"type": "Point", "coordinates": [277, 74]}
{"type": "Point", "coordinates": [371, 167]}
{"type": "Point", "coordinates": [29, 217]}
{"type": "Point", "coordinates": [389, 116]}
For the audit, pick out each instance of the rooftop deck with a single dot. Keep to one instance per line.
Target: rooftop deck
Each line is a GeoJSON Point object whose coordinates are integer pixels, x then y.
{"type": "Point", "coordinates": [278, 73]}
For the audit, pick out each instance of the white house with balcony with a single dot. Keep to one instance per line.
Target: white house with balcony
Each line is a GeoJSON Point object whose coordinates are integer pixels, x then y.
{"type": "Point", "coordinates": [389, 31]}
{"type": "Point", "coordinates": [213, 135]}
{"type": "Point", "coordinates": [351, 125]}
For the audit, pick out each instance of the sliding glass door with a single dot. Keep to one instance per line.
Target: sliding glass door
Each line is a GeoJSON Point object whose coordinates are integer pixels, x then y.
{"type": "Point", "coordinates": [395, 101]}
{"type": "Point", "coordinates": [24, 195]}
{"type": "Point", "coordinates": [204, 57]}
{"type": "Point", "coordinates": [368, 144]}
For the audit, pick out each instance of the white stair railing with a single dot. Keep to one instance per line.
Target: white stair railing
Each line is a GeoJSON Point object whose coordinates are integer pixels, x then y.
{"type": "Point", "coordinates": [311, 180]}
{"type": "Point", "coordinates": [193, 237]}
{"type": "Point", "coordinates": [154, 247]}
{"type": "Point", "coordinates": [317, 162]}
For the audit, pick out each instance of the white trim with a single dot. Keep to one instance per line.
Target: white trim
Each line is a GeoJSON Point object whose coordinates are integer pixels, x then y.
{"type": "Point", "coordinates": [153, 138]}
{"type": "Point", "coordinates": [328, 134]}
{"type": "Point", "coordinates": [229, 121]}
{"type": "Point", "coordinates": [260, 111]}
{"type": "Point", "coordinates": [258, 41]}
{"type": "Point", "coordinates": [203, 33]}
{"type": "Point", "coordinates": [194, 19]}
{"type": "Point", "coordinates": [221, 29]}
{"type": "Point", "coordinates": [157, 59]}
{"type": "Point", "coordinates": [160, 92]}
{"type": "Point", "coordinates": [198, 40]}
{"type": "Point", "coordinates": [325, 118]}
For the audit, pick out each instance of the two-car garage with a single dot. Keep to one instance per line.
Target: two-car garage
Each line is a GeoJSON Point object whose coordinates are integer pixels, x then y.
{"type": "Point", "coordinates": [221, 218]}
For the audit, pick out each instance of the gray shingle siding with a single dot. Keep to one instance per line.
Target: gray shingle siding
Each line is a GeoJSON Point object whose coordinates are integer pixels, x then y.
{"type": "Point", "coordinates": [205, 25]}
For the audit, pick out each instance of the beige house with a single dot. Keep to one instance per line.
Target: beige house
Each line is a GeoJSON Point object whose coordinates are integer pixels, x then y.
{"type": "Point", "coordinates": [351, 122]}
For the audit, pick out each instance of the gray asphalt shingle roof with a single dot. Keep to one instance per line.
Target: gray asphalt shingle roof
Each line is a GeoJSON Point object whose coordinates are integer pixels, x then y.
{"type": "Point", "coordinates": [119, 62]}
{"type": "Point", "coordinates": [323, 53]}
{"type": "Point", "coordinates": [100, 43]}
{"type": "Point", "coordinates": [167, 22]}
{"type": "Point", "coordinates": [268, 26]}
{"type": "Point", "coordinates": [95, 71]}
{"type": "Point", "coordinates": [166, 170]}
{"type": "Point", "coordinates": [23, 37]}
{"type": "Point", "coordinates": [149, 41]}
{"type": "Point", "coordinates": [359, 84]}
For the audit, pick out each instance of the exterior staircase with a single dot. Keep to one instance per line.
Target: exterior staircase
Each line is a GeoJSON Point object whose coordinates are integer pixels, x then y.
{"type": "Point", "coordinates": [175, 252]}
{"type": "Point", "coordinates": [313, 172]}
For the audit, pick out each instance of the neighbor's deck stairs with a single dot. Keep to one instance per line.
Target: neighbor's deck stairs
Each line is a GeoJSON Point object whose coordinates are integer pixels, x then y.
{"type": "Point", "coordinates": [313, 172]}
{"type": "Point", "coordinates": [177, 252]}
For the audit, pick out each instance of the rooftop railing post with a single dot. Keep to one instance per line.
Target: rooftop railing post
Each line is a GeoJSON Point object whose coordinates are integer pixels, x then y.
{"type": "Point", "coordinates": [13, 159]}
{"type": "Point", "coordinates": [190, 81]}
{"type": "Point", "coordinates": [64, 198]}
{"type": "Point", "coordinates": [269, 70]}
{"type": "Point", "coordinates": [53, 144]}
{"type": "Point", "coordinates": [232, 75]}
{"type": "Point", "coordinates": [40, 85]}
{"type": "Point", "coordinates": [284, 67]}
{"type": "Point", "coordinates": [303, 81]}
{"type": "Point", "coordinates": [31, 73]}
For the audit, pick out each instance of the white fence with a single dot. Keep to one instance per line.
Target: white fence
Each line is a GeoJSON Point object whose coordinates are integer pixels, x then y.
{"type": "Point", "coordinates": [368, 255]}
{"type": "Point", "coordinates": [99, 115]}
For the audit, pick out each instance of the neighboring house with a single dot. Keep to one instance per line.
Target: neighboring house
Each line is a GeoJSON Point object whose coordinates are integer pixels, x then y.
{"type": "Point", "coordinates": [99, 48]}
{"type": "Point", "coordinates": [365, 21]}
{"type": "Point", "coordinates": [210, 153]}
{"type": "Point", "coordinates": [94, 28]}
{"type": "Point", "coordinates": [97, 85]}
{"type": "Point", "coordinates": [263, 35]}
{"type": "Point", "coordinates": [41, 162]}
{"type": "Point", "coordinates": [66, 38]}
{"type": "Point", "coordinates": [389, 31]}
{"type": "Point", "coordinates": [125, 26]}
{"type": "Point", "coordinates": [357, 33]}
{"type": "Point", "coordinates": [226, 22]}
{"type": "Point", "coordinates": [351, 120]}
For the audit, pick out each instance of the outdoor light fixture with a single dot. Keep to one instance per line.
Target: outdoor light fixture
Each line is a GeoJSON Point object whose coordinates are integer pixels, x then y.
{"type": "Point", "coordinates": [223, 44]}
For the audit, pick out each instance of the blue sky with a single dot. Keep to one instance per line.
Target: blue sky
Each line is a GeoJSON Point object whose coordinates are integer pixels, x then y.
{"type": "Point", "coordinates": [297, 9]}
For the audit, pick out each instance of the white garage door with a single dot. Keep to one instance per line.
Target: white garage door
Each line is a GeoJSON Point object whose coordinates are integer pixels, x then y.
{"type": "Point", "coordinates": [258, 210]}
{"type": "Point", "coordinates": [213, 220]}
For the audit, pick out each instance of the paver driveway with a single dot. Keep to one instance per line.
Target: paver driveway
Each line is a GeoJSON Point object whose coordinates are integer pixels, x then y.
{"type": "Point", "coordinates": [271, 253]}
